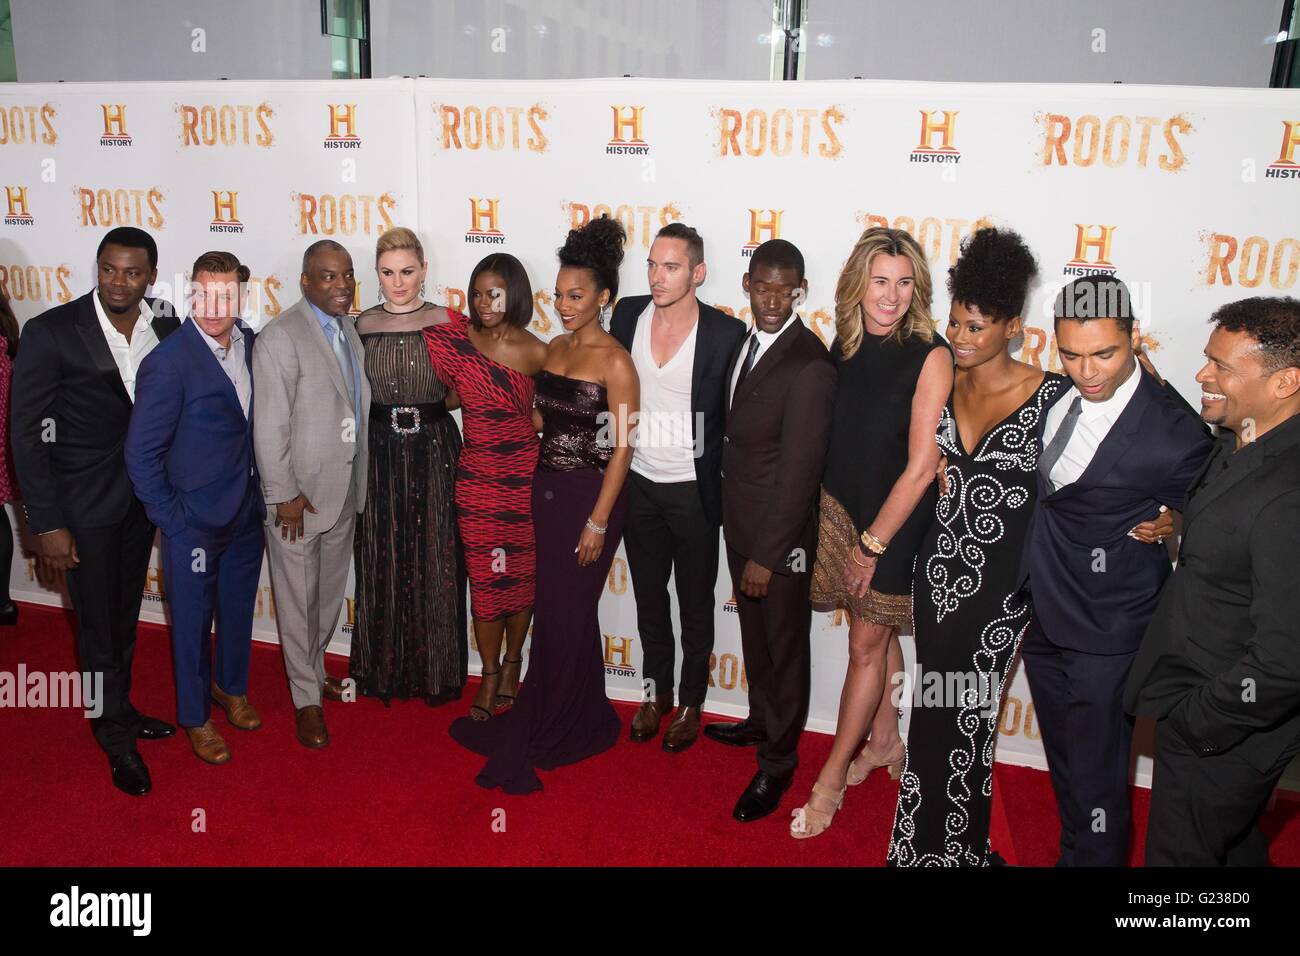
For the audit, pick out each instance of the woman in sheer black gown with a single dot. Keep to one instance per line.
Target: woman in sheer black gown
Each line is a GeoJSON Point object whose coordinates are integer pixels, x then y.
{"type": "Point", "coordinates": [408, 640]}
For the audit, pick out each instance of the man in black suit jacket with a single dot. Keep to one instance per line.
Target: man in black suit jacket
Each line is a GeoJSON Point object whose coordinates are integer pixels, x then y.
{"type": "Point", "coordinates": [1115, 447]}
{"type": "Point", "coordinates": [681, 348]}
{"type": "Point", "coordinates": [782, 389]}
{"type": "Point", "coordinates": [1220, 664]}
{"type": "Point", "coordinates": [73, 389]}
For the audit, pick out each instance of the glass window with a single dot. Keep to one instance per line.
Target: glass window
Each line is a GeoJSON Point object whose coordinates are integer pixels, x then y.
{"type": "Point", "coordinates": [689, 39]}
{"type": "Point", "coordinates": [346, 23]}
{"type": "Point", "coordinates": [1286, 64]}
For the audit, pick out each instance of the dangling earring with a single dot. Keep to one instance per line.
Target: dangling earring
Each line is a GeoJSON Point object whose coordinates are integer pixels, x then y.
{"type": "Point", "coordinates": [421, 290]}
{"type": "Point", "coordinates": [605, 311]}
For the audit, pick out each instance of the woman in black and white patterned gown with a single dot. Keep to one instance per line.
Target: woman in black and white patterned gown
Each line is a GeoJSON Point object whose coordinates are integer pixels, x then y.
{"type": "Point", "coordinates": [968, 618]}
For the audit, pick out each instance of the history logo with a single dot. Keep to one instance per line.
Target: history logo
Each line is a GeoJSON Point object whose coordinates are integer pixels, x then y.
{"type": "Point", "coordinates": [937, 139]}
{"type": "Point", "coordinates": [1286, 166]}
{"type": "Point", "coordinates": [618, 656]}
{"type": "Point", "coordinates": [628, 138]}
{"type": "Point", "coordinates": [225, 211]}
{"type": "Point", "coordinates": [343, 127]}
{"type": "Point", "coordinates": [1091, 251]}
{"type": "Point", "coordinates": [764, 224]}
{"type": "Point", "coordinates": [485, 222]}
{"type": "Point", "coordinates": [115, 133]}
{"type": "Point", "coordinates": [18, 213]}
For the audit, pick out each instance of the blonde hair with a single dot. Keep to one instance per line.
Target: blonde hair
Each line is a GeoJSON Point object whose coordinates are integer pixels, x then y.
{"type": "Point", "coordinates": [850, 320]}
{"type": "Point", "coordinates": [397, 238]}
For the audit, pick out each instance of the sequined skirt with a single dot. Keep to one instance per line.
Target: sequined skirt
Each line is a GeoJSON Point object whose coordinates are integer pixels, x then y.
{"type": "Point", "coordinates": [837, 536]}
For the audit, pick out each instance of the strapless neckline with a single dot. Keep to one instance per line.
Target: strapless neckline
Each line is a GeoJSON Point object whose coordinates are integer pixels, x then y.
{"type": "Point", "coordinates": [575, 381]}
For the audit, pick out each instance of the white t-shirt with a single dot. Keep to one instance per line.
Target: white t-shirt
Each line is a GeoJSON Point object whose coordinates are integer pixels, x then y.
{"type": "Point", "coordinates": [664, 451]}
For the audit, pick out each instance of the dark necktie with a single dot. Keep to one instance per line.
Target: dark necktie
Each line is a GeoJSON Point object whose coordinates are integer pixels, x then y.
{"type": "Point", "coordinates": [1056, 447]}
{"type": "Point", "coordinates": [749, 363]}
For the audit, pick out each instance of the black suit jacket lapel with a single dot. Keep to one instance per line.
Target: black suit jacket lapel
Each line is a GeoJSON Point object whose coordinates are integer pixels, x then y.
{"type": "Point", "coordinates": [101, 356]}
{"type": "Point", "coordinates": [703, 342]}
{"type": "Point", "coordinates": [619, 329]}
{"type": "Point", "coordinates": [769, 359]}
{"type": "Point", "coordinates": [1118, 440]}
{"type": "Point", "coordinates": [164, 321]}
{"type": "Point", "coordinates": [731, 371]}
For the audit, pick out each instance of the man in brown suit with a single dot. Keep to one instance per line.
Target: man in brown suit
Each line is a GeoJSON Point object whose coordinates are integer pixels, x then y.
{"type": "Point", "coordinates": [781, 387]}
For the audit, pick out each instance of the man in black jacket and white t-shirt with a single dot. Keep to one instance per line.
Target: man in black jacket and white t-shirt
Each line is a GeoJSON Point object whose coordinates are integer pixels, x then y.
{"type": "Point", "coordinates": [681, 348]}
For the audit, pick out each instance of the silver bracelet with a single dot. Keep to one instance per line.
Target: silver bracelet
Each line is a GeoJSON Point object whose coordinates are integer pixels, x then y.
{"type": "Point", "coordinates": [596, 528]}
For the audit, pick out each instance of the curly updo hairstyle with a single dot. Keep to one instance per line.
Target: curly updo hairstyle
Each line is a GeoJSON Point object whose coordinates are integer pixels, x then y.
{"type": "Point", "coordinates": [993, 273]}
{"type": "Point", "coordinates": [598, 247]}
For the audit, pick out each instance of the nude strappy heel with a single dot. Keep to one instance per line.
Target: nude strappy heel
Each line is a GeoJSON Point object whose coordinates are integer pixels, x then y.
{"type": "Point", "coordinates": [867, 761]}
{"type": "Point", "coordinates": [808, 821]}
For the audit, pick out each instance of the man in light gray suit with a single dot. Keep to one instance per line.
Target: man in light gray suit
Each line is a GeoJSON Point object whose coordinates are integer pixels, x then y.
{"type": "Point", "coordinates": [309, 435]}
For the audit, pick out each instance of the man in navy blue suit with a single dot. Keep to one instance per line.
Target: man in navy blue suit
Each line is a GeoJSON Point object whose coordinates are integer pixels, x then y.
{"type": "Point", "coordinates": [189, 453]}
{"type": "Point", "coordinates": [1114, 448]}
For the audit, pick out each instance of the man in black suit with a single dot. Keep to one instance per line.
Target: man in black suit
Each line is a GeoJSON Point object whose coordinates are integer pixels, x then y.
{"type": "Point", "coordinates": [73, 390]}
{"type": "Point", "coordinates": [782, 388]}
{"type": "Point", "coordinates": [681, 348]}
{"type": "Point", "coordinates": [1220, 664]}
{"type": "Point", "coordinates": [1115, 447]}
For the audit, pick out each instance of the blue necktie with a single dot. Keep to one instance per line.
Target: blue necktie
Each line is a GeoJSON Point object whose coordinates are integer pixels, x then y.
{"type": "Point", "coordinates": [344, 355]}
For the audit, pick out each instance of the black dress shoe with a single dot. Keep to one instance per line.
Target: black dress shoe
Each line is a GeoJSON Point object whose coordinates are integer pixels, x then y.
{"type": "Point", "coordinates": [762, 796]}
{"type": "Point", "coordinates": [151, 728]}
{"type": "Point", "coordinates": [742, 734]}
{"type": "Point", "coordinates": [130, 775]}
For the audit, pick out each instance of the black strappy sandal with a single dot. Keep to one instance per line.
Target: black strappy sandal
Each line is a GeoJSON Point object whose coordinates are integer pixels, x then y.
{"type": "Point", "coordinates": [503, 702]}
{"type": "Point", "coordinates": [487, 714]}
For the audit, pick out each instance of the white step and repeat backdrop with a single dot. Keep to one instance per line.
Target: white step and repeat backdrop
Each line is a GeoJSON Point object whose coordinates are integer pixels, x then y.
{"type": "Point", "coordinates": [1189, 194]}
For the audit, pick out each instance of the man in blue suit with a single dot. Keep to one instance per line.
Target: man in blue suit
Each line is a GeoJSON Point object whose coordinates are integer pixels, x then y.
{"type": "Point", "coordinates": [189, 453]}
{"type": "Point", "coordinates": [1114, 448]}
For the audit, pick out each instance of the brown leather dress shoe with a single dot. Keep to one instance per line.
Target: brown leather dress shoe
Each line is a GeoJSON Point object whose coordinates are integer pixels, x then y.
{"type": "Point", "coordinates": [311, 727]}
{"type": "Point", "coordinates": [207, 743]}
{"type": "Point", "coordinates": [645, 725]}
{"type": "Point", "coordinates": [238, 710]}
{"type": "Point", "coordinates": [683, 731]}
{"type": "Point", "coordinates": [333, 689]}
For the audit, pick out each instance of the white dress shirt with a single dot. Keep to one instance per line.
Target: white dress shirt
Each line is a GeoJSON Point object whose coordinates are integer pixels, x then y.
{"type": "Point", "coordinates": [664, 451]}
{"type": "Point", "coordinates": [1095, 422]}
{"type": "Point", "coordinates": [765, 340]}
{"type": "Point", "coordinates": [233, 363]}
{"type": "Point", "coordinates": [128, 355]}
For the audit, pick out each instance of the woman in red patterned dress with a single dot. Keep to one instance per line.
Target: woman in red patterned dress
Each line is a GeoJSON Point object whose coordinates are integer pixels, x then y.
{"type": "Point", "coordinates": [491, 359]}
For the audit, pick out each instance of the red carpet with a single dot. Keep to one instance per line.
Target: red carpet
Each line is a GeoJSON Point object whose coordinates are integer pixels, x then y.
{"type": "Point", "coordinates": [393, 789]}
